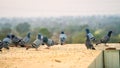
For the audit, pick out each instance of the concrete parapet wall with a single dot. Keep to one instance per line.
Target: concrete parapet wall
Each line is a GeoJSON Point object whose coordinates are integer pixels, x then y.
{"type": "Point", "coordinates": [107, 59]}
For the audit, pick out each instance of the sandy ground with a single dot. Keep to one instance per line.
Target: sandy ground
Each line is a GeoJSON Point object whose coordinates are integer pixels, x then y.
{"type": "Point", "coordinates": [66, 56]}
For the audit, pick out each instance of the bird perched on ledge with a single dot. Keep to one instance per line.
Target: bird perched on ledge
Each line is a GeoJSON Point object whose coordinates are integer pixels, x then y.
{"type": "Point", "coordinates": [5, 43]}
{"type": "Point", "coordinates": [88, 43]}
{"type": "Point", "coordinates": [48, 42]}
{"type": "Point", "coordinates": [89, 38]}
{"type": "Point", "coordinates": [105, 39]}
{"type": "Point", "coordinates": [25, 40]}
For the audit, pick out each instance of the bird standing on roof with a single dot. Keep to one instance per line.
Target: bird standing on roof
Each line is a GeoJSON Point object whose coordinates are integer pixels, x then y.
{"type": "Point", "coordinates": [5, 43]}
{"type": "Point", "coordinates": [25, 40]}
{"type": "Point", "coordinates": [88, 43]}
{"type": "Point", "coordinates": [15, 40]}
{"type": "Point", "coordinates": [48, 42]}
{"type": "Point", "coordinates": [105, 39]}
{"type": "Point", "coordinates": [62, 38]}
{"type": "Point", "coordinates": [89, 38]}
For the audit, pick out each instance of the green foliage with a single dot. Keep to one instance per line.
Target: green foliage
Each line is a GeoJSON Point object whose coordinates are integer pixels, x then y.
{"type": "Point", "coordinates": [45, 32]}
{"type": "Point", "coordinates": [5, 29]}
{"type": "Point", "coordinates": [99, 34]}
{"type": "Point", "coordinates": [23, 28]}
{"type": "Point", "coordinates": [79, 37]}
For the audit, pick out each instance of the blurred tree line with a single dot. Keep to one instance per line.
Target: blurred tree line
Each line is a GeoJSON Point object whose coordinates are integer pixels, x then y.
{"type": "Point", "coordinates": [51, 27]}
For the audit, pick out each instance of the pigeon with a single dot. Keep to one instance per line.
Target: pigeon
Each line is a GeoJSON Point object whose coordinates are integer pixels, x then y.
{"type": "Point", "coordinates": [48, 42]}
{"type": "Point", "coordinates": [25, 40]}
{"type": "Point", "coordinates": [15, 40]}
{"type": "Point", "coordinates": [88, 43]}
{"type": "Point", "coordinates": [105, 39]}
{"type": "Point", "coordinates": [5, 43]}
{"type": "Point", "coordinates": [62, 37]}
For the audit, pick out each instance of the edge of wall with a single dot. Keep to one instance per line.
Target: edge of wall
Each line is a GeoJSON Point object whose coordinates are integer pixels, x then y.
{"type": "Point", "coordinates": [107, 59]}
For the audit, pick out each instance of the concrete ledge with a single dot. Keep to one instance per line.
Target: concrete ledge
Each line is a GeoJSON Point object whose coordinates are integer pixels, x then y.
{"type": "Point", "coordinates": [107, 59]}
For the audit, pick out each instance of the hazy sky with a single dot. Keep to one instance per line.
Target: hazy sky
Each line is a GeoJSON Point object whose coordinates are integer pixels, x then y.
{"type": "Point", "coordinates": [33, 8]}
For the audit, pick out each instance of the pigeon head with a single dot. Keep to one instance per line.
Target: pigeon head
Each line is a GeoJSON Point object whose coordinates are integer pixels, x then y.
{"type": "Point", "coordinates": [109, 33]}
{"type": "Point", "coordinates": [39, 36]}
{"type": "Point", "coordinates": [8, 36]}
{"type": "Point", "coordinates": [28, 35]}
{"type": "Point", "coordinates": [62, 32]}
{"type": "Point", "coordinates": [87, 31]}
{"type": "Point", "coordinates": [12, 36]}
{"type": "Point", "coordinates": [45, 39]}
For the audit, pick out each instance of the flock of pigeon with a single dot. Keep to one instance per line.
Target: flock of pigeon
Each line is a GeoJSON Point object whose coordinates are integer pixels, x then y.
{"type": "Point", "coordinates": [91, 39]}
{"type": "Point", "coordinates": [41, 40]}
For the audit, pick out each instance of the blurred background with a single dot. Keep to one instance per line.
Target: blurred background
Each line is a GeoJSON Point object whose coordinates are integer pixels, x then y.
{"type": "Point", "coordinates": [50, 17]}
